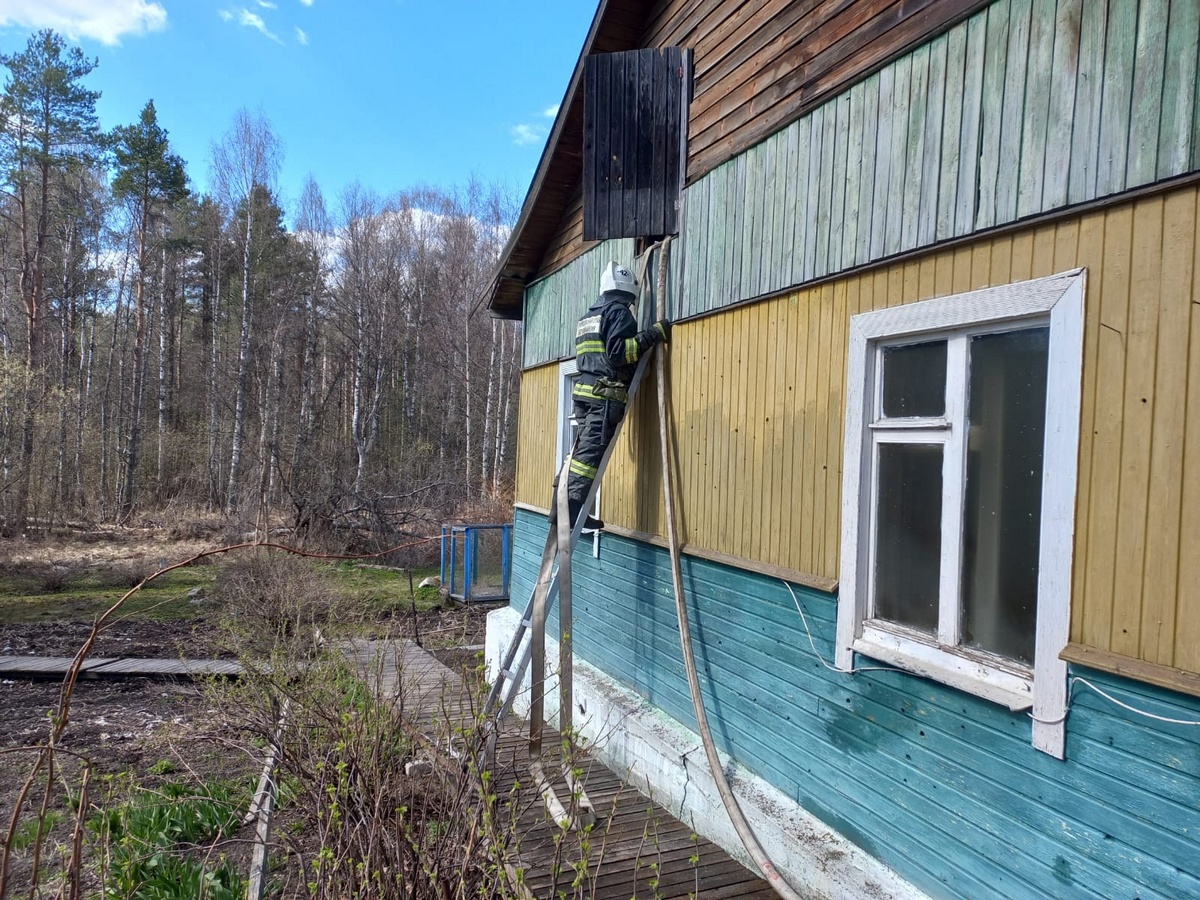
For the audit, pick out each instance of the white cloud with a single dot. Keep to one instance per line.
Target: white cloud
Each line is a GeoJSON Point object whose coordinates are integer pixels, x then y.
{"type": "Point", "coordinates": [551, 111]}
{"type": "Point", "coordinates": [302, 37]}
{"type": "Point", "coordinates": [527, 134]}
{"type": "Point", "coordinates": [249, 20]}
{"type": "Point", "coordinates": [267, 4]}
{"type": "Point", "coordinates": [307, 2]}
{"type": "Point", "coordinates": [106, 21]}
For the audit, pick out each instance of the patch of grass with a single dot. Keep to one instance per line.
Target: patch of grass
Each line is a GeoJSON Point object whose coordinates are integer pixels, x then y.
{"type": "Point", "coordinates": [88, 594]}
{"type": "Point", "coordinates": [383, 589]}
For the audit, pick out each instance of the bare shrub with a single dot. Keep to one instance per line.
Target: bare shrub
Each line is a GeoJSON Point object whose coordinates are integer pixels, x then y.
{"type": "Point", "coordinates": [376, 813]}
{"type": "Point", "coordinates": [122, 574]}
{"type": "Point", "coordinates": [275, 602]}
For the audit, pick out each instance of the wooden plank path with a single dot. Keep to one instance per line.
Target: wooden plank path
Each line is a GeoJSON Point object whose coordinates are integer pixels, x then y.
{"type": "Point", "coordinates": [636, 849]}
{"type": "Point", "coordinates": [116, 667]}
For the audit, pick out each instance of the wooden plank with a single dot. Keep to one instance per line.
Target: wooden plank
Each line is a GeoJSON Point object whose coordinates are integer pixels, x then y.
{"type": "Point", "coordinates": [47, 666]}
{"type": "Point", "coordinates": [739, 228]}
{"type": "Point", "coordinates": [1163, 535]}
{"type": "Point", "coordinates": [900, 170]}
{"type": "Point", "coordinates": [1146, 107]}
{"type": "Point", "coordinates": [774, 148]}
{"type": "Point", "coordinates": [969, 161]}
{"type": "Point", "coordinates": [866, 180]}
{"type": "Point", "coordinates": [718, 219]}
{"type": "Point", "coordinates": [1119, 50]}
{"type": "Point", "coordinates": [1107, 425]}
{"type": "Point", "coordinates": [816, 140]}
{"type": "Point", "coordinates": [883, 163]}
{"type": "Point", "coordinates": [931, 164]}
{"type": "Point", "coordinates": [825, 188]}
{"type": "Point", "coordinates": [1040, 80]}
{"type": "Point", "coordinates": [992, 112]}
{"type": "Point", "coordinates": [1183, 680]}
{"type": "Point", "coordinates": [1090, 254]}
{"type": "Point", "coordinates": [837, 184]}
{"type": "Point", "coordinates": [1140, 344]}
{"type": "Point", "coordinates": [791, 188]}
{"type": "Point", "coordinates": [752, 229]}
{"type": "Point", "coordinates": [915, 154]}
{"type": "Point", "coordinates": [1089, 89]}
{"type": "Point", "coordinates": [951, 136]}
{"type": "Point", "coordinates": [1179, 90]}
{"type": "Point", "coordinates": [803, 200]}
{"type": "Point", "coordinates": [831, 411]}
{"type": "Point", "coordinates": [1013, 115]}
{"type": "Point", "coordinates": [1187, 622]}
{"type": "Point", "coordinates": [1063, 87]}
{"type": "Point", "coordinates": [854, 165]}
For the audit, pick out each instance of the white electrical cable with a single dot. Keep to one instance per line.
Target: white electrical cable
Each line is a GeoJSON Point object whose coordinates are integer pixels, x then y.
{"type": "Point", "coordinates": [1076, 679]}
{"type": "Point", "coordinates": [829, 666]}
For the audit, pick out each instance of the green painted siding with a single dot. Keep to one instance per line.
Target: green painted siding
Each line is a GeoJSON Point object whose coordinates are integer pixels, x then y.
{"type": "Point", "coordinates": [554, 304]}
{"type": "Point", "coordinates": [943, 787]}
{"type": "Point", "coordinates": [1020, 110]}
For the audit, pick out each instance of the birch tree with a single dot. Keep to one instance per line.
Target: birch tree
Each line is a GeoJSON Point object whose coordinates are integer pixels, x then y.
{"type": "Point", "coordinates": [248, 156]}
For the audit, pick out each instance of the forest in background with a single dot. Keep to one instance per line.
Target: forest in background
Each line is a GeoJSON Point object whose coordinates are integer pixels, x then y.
{"type": "Point", "coordinates": [162, 349]}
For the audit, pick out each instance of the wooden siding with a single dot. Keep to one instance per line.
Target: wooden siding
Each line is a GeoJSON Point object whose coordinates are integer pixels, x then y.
{"type": "Point", "coordinates": [941, 786]}
{"type": "Point", "coordinates": [758, 69]}
{"type": "Point", "coordinates": [537, 430]}
{"type": "Point", "coordinates": [758, 394]}
{"type": "Point", "coordinates": [554, 304]}
{"type": "Point", "coordinates": [1019, 110]}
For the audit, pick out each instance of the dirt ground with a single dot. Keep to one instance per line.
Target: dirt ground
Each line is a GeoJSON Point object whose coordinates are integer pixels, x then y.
{"type": "Point", "coordinates": [142, 726]}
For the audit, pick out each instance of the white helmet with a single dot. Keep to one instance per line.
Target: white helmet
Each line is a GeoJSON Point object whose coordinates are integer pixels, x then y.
{"type": "Point", "coordinates": [615, 277]}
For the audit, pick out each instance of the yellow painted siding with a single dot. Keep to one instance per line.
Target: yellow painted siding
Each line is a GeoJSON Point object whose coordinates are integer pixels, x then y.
{"type": "Point", "coordinates": [758, 395]}
{"type": "Point", "coordinates": [537, 430]}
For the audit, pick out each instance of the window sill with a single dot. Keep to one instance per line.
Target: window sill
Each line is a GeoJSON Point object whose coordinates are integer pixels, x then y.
{"type": "Point", "coordinates": [973, 673]}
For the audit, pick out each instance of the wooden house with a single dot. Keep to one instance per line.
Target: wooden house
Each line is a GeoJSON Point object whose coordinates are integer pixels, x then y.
{"type": "Point", "coordinates": [935, 377]}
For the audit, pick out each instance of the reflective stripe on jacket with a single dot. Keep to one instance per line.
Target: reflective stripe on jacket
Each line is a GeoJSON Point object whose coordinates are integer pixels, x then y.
{"type": "Point", "coordinates": [607, 348]}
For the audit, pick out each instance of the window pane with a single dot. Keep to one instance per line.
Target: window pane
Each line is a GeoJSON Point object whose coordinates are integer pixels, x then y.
{"type": "Point", "coordinates": [914, 380]}
{"type": "Point", "coordinates": [1002, 514]}
{"type": "Point", "coordinates": [908, 537]}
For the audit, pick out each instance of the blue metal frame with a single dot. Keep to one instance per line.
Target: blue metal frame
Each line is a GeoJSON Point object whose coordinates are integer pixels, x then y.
{"type": "Point", "coordinates": [470, 545]}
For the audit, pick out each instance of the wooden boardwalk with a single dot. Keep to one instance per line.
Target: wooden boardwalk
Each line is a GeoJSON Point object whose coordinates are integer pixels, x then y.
{"type": "Point", "coordinates": [116, 667]}
{"type": "Point", "coordinates": [636, 848]}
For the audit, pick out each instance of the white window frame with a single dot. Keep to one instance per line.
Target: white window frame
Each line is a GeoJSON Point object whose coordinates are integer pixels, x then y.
{"type": "Point", "coordinates": [1057, 300]}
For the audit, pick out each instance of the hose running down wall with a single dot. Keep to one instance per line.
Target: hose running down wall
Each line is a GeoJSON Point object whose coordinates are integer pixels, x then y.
{"type": "Point", "coordinates": [745, 832]}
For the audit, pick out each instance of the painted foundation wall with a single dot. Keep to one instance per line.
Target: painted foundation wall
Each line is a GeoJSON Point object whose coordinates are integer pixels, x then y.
{"type": "Point", "coordinates": [941, 787]}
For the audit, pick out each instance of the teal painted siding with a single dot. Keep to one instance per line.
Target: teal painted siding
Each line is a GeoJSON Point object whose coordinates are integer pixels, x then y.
{"type": "Point", "coordinates": [943, 787]}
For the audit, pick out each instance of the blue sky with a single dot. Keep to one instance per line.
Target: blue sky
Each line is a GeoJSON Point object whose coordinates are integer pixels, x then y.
{"type": "Point", "coordinates": [391, 93]}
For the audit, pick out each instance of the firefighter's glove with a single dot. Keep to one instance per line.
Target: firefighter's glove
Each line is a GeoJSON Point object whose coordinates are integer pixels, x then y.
{"type": "Point", "coordinates": [662, 330]}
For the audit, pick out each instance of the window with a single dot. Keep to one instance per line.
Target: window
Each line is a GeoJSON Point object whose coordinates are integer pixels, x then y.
{"type": "Point", "coordinates": [962, 428]}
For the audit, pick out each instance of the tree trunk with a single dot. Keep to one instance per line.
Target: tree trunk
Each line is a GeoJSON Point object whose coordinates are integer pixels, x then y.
{"type": "Point", "coordinates": [243, 372]}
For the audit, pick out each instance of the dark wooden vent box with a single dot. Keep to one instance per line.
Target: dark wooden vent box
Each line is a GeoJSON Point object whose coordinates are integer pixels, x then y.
{"type": "Point", "coordinates": [634, 141]}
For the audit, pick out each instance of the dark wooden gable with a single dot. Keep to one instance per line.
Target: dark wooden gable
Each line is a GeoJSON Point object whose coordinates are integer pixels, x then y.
{"type": "Point", "coordinates": [634, 142]}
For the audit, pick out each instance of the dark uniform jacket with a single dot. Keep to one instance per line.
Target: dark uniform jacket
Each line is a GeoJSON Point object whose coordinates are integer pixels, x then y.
{"type": "Point", "coordinates": [607, 348]}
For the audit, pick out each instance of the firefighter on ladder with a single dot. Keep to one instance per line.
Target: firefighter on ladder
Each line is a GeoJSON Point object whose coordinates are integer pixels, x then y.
{"type": "Point", "coordinates": [608, 346]}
